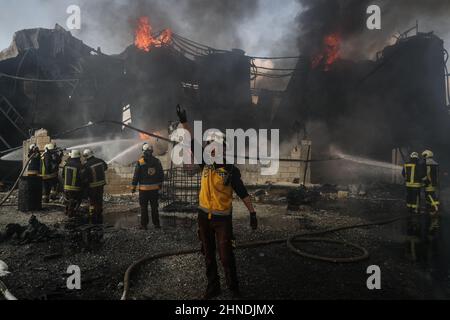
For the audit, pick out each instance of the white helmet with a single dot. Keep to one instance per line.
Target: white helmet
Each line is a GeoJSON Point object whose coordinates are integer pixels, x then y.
{"type": "Point", "coordinates": [88, 153]}
{"type": "Point", "coordinates": [414, 155]}
{"type": "Point", "coordinates": [428, 154]}
{"type": "Point", "coordinates": [32, 146]}
{"type": "Point", "coordinates": [215, 136]}
{"type": "Point", "coordinates": [147, 147]}
{"type": "Point", "coordinates": [75, 154]}
{"type": "Point", "coordinates": [50, 147]}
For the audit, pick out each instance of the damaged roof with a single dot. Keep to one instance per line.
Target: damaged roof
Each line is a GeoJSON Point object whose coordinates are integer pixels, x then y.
{"type": "Point", "coordinates": [52, 42]}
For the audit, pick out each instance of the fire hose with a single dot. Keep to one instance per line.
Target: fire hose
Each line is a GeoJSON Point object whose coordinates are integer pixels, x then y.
{"type": "Point", "coordinates": [3, 289]}
{"type": "Point", "coordinates": [6, 293]}
{"type": "Point", "coordinates": [301, 237]}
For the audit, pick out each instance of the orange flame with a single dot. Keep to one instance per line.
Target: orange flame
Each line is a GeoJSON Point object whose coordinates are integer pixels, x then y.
{"type": "Point", "coordinates": [144, 39]}
{"type": "Point", "coordinates": [144, 137]}
{"type": "Point", "coordinates": [330, 54]}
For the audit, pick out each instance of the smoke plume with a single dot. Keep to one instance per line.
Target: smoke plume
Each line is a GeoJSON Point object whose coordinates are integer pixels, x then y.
{"type": "Point", "coordinates": [348, 18]}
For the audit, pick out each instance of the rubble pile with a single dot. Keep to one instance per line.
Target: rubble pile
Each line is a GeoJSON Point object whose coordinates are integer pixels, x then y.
{"type": "Point", "coordinates": [35, 231]}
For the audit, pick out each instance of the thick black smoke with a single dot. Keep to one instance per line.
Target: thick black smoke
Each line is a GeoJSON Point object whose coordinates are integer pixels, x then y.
{"type": "Point", "coordinates": [215, 22]}
{"type": "Point", "coordinates": [348, 18]}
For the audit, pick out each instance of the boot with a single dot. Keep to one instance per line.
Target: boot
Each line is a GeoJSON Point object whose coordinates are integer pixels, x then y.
{"type": "Point", "coordinates": [212, 291]}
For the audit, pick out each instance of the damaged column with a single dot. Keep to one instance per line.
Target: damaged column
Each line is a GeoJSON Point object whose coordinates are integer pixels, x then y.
{"type": "Point", "coordinates": [305, 165]}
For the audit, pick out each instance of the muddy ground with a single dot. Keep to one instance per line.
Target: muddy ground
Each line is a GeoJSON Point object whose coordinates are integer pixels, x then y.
{"type": "Point", "coordinates": [38, 270]}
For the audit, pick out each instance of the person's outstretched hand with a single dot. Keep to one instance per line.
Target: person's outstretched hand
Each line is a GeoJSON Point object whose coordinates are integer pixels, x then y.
{"type": "Point", "coordinates": [181, 113]}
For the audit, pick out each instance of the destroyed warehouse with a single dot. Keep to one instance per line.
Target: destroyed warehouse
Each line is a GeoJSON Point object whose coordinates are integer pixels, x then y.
{"type": "Point", "coordinates": [51, 80]}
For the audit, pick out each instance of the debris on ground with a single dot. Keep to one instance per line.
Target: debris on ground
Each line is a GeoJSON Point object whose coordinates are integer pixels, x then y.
{"type": "Point", "coordinates": [35, 231]}
{"type": "Point", "coordinates": [301, 196]}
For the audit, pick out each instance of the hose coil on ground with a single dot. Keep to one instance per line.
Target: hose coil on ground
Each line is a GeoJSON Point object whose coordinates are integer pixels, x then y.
{"type": "Point", "coordinates": [302, 237]}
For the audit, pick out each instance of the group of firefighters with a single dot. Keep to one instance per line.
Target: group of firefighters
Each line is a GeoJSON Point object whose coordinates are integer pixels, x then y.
{"type": "Point", "coordinates": [76, 178]}
{"type": "Point", "coordinates": [422, 179]}
{"type": "Point", "coordinates": [218, 181]}
{"type": "Point", "coordinates": [84, 175]}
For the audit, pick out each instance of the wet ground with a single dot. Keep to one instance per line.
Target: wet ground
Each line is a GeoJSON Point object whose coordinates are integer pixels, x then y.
{"type": "Point", "coordinates": [38, 270]}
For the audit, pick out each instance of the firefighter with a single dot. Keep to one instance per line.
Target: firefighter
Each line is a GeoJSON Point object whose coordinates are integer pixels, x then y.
{"type": "Point", "coordinates": [72, 176]}
{"type": "Point", "coordinates": [49, 172]}
{"type": "Point", "coordinates": [431, 184]}
{"type": "Point", "coordinates": [35, 162]}
{"type": "Point", "coordinates": [413, 172]}
{"type": "Point", "coordinates": [149, 176]}
{"type": "Point", "coordinates": [94, 173]}
{"type": "Point", "coordinates": [218, 182]}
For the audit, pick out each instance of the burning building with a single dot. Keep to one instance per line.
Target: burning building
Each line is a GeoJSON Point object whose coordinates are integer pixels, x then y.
{"type": "Point", "coordinates": [368, 108]}
{"type": "Point", "coordinates": [51, 79]}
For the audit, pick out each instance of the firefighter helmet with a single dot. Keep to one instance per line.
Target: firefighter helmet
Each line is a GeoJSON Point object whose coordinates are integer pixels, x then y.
{"type": "Point", "coordinates": [33, 146]}
{"type": "Point", "coordinates": [88, 153]}
{"type": "Point", "coordinates": [75, 154]}
{"type": "Point", "coordinates": [414, 155]}
{"type": "Point", "coordinates": [215, 136]}
{"type": "Point", "coordinates": [147, 147]}
{"type": "Point", "coordinates": [50, 147]}
{"type": "Point", "coordinates": [428, 154]}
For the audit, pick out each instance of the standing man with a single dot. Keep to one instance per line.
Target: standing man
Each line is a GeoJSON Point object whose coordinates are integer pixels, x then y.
{"type": "Point", "coordinates": [72, 176]}
{"type": "Point", "coordinates": [215, 215]}
{"type": "Point", "coordinates": [414, 173]}
{"type": "Point", "coordinates": [94, 173]}
{"type": "Point", "coordinates": [49, 172]}
{"type": "Point", "coordinates": [431, 188]}
{"type": "Point", "coordinates": [35, 162]}
{"type": "Point", "coordinates": [149, 175]}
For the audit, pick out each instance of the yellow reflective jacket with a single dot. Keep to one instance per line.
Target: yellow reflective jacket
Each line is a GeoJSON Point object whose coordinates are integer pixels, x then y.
{"type": "Point", "coordinates": [216, 196]}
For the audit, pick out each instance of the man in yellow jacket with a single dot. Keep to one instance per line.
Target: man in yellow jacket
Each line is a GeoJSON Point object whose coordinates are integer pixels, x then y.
{"type": "Point", "coordinates": [218, 182]}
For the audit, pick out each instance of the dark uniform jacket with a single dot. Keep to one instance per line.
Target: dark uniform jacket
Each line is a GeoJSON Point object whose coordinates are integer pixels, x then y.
{"type": "Point", "coordinates": [94, 172]}
{"type": "Point", "coordinates": [35, 163]}
{"type": "Point", "coordinates": [50, 161]}
{"type": "Point", "coordinates": [432, 175]}
{"type": "Point", "coordinates": [148, 174]}
{"type": "Point", "coordinates": [414, 173]}
{"type": "Point", "coordinates": [73, 175]}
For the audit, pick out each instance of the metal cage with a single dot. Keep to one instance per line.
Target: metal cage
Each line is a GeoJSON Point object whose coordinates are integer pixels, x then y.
{"type": "Point", "coordinates": [180, 189]}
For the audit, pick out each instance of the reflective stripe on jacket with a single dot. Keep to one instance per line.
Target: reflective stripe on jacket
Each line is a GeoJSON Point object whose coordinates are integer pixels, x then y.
{"type": "Point", "coordinates": [72, 175]}
{"type": "Point", "coordinates": [413, 172]}
{"type": "Point", "coordinates": [148, 174]}
{"type": "Point", "coordinates": [432, 175]}
{"type": "Point", "coordinates": [216, 197]}
{"type": "Point", "coordinates": [49, 166]}
{"type": "Point", "coordinates": [95, 172]}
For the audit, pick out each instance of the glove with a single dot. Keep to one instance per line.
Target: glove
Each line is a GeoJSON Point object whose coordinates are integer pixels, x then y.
{"type": "Point", "coordinates": [253, 221]}
{"type": "Point", "coordinates": [133, 190]}
{"type": "Point", "coordinates": [181, 113]}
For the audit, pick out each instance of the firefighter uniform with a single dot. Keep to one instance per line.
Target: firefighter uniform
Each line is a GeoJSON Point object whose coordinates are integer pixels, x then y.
{"type": "Point", "coordinates": [49, 172]}
{"type": "Point", "coordinates": [149, 176]}
{"type": "Point", "coordinates": [431, 185]}
{"type": "Point", "coordinates": [413, 172]}
{"type": "Point", "coordinates": [73, 176]}
{"type": "Point", "coordinates": [215, 222]}
{"type": "Point", "coordinates": [218, 181]}
{"type": "Point", "coordinates": [431, 190]}
{"type": "Point", "coordinates": [94, 173]}
{"type": "Point", "coordinates": [35, 162]}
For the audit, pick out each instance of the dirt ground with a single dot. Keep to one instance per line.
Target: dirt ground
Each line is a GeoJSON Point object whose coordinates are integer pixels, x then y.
{"type": "Point", "coordinates": [38, 270]}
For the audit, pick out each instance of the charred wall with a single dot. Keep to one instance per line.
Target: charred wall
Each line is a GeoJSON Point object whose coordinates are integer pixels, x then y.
{"type": "Point", "coordinates": [398, 100]}
{"type": "Point", "coordinates": [368, 108]}
{"type": "Point", "coordinates": [54, 55]}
